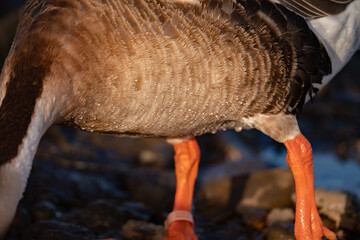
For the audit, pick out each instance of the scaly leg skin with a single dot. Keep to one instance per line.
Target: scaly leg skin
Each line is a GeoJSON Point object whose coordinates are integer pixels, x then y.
{"type": "Point", "coordinates": [187, 158]}
{"type": "Point", "coordinates": [308, 225]}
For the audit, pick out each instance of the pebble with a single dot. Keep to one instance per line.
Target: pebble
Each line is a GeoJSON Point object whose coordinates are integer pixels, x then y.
{"type": "Point", "coordinates": [134, 230]}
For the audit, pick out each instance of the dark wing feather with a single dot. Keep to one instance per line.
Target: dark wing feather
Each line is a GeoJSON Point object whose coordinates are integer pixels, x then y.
{"type": "Point", "coordinates": [313, 61]}
{"type": "Point", "coordinates": [310, 9]}
{"type": "Point", "coordinates": [298, 58]}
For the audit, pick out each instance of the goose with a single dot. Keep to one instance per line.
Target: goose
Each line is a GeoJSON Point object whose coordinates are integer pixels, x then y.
{"type": "Point", "coordinates": [174, 69]}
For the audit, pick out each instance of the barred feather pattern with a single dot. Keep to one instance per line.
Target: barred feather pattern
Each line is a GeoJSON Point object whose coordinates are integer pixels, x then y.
{"type": "Point", "coordinates": [168, 68]}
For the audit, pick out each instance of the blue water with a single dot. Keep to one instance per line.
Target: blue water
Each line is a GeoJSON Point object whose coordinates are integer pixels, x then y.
{"type": "Point", "coordinates": [329, 171]}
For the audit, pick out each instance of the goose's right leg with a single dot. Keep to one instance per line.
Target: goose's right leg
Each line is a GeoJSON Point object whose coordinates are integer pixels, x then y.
{"type": "Point", "coordinates": [179, 224]}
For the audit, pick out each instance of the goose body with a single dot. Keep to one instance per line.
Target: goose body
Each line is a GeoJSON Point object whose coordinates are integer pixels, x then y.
{"type": "Point", "coordinates": [159, 68]}
{"type": "Point", "coordinates": [118, 72]}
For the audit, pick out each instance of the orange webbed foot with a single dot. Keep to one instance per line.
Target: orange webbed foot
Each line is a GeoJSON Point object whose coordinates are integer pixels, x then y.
{"type": "Point", "coordinates": [180, 230]}
{"type": "Point", "coordinates": [308, 225]}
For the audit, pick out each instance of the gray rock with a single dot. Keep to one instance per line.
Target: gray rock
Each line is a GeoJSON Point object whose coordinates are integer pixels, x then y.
{"type": "Point", "coordinates": [221, 187]}
{"type": "Point", "coordinates": [342, 208]}
{"type": "Point", "coordinates": [142, 230]}
{"type": "Point", "coordinates": [268, 189]}
{"type": "Point", "coordinates": [280, 215]}
{"type": "Point", "coordinates": [281, 231]}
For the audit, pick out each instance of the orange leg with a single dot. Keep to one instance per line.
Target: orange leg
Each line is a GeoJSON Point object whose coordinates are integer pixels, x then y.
{"type": "Point", "coordinates": [308, 224]}
{"type": "Point", "coordinates": [187, 158]}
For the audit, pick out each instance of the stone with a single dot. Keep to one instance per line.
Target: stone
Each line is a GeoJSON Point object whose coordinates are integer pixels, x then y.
{"type": "Point", "coordinates": [152, 187]}
{"type": "Point", "coordinates": [142, 230]}
{"type": "Point", "coordinates": [253, 217]}
{"type": "Point", "coordinates": [281, 231]}
{"type": "Point", "coordinates": [280, 215]}
{"type": "Point", "coordinates": [221, 187]}
{"type": "Point", "coordinates": [102, 215]}
{"type": "Point", "coordinates": [155, 154]}
{"type": "Point", "coordinates": [339, 210]}
{"type": "Point", "coordinates": [342, 208]}
{"type": "Point", "coordinates": [268, 189]}
{"type": "Point", "coordinates": [43, 210]}
{"type": "Point", "coordinates": [56, 230]}
{"type": "Point", "coordinates": [68, 187]}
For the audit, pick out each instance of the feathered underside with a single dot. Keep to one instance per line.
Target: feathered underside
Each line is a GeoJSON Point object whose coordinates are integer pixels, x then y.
{"type": "Point", "coordinates": [170, 68]}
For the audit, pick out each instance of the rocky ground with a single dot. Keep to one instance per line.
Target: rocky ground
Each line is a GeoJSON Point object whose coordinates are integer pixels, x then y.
{"type": "Point", "coordinates": [90, 186]}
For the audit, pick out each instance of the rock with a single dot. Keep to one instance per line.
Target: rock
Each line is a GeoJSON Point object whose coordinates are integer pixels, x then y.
{"type": "Point", "coordinates": [253, 217]}
{"type": "Point", "coordinates": [156, 154]}
{"type": "Point", "coordinates": [149, 157]}
{"type": "Point", "coordinates": [268, 189]}
{"type": "Point", "coordinates": [281, 231]}
{"type": "Point", "coordinates": [342, 208]}
{"type": "Point", "coordinates": [142, 230]}
{"type": "Point", "coordinates": [68, 187]}
{"type": "Point", "coordinates": [214, 199]}
{"type": "Point", "coordinates": [43, 210]}
{"type": "Point", "coordinates": [221, 187]}
{"type": "Point", "coordinates": [56, 230]}
{"type": "Point", "coordinates": [280, 215]}
{"type": "Point", "coordinates": [152, 187]}
{"type": "Point", "coordinates": [102, 215]}
{"type": "Point", "coordinates": [221, 147]}
{"type": "Point", "coordinates": [231, 228]}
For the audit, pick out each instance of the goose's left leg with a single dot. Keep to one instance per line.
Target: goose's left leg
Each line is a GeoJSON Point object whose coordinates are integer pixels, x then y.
{"type": "Point", "coordinates": [179, 224]}
{"type": "Point", "coordinates": [284, 128]}
{"type": "Point", "coordinates": [308, 224]}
